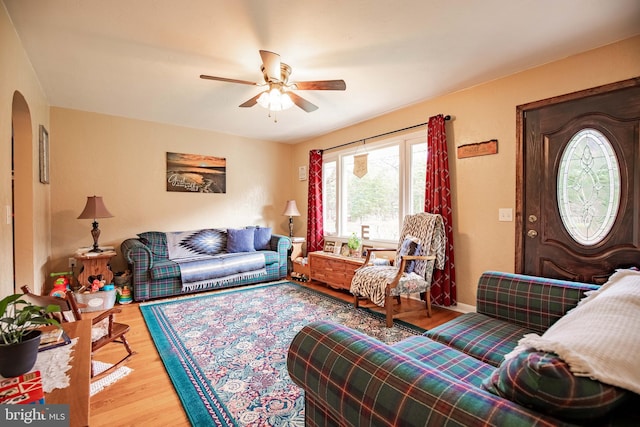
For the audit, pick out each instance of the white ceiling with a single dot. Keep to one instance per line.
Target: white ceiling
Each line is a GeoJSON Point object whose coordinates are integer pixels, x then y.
{"type": "Point", "coordinates": [142, 58]}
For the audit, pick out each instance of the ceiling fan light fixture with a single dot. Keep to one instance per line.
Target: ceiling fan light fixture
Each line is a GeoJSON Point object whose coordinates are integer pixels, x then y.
{"type": "Point", "coordinates": [275, 100]}
{"type": "Point", "coordinates": [285, 101]}
{"type": "Point", "coordinates": [281, 94]}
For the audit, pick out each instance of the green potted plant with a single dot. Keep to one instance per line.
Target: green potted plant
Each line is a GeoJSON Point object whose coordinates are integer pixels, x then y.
{"type": "Point", "coordinates": [19, 337]}
{"type": "Point", "coordinates": [354, 244]}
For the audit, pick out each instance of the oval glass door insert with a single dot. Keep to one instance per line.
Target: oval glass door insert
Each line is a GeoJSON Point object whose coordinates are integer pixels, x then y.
{"type": "Point", "coordinates": [588, 187]}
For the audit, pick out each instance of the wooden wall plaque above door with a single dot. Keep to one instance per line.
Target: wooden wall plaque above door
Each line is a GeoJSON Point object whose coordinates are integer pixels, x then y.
{"type": "Point", "coordinates": [478, 149]}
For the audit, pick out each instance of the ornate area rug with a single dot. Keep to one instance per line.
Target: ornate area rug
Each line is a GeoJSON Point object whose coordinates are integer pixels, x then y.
{"type": "Point", "coordinates": [226, 352]}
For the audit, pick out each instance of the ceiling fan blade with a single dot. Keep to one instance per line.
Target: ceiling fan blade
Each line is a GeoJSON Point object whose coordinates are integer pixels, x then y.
{"type": "Point", "coordinates": [321, 85]}
{"type": "Point", "coordinates": [271, 64]}
{"type": "Point", "coordinates": [251, 102]}
{"type": "Point", "coordinates": [302, 103]}
{"type": "Point", "coordinates": [224, 79]}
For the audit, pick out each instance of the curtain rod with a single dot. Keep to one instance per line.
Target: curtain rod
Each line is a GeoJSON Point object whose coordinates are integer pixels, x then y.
{"type": "Point", "coordinates": [447, 117]}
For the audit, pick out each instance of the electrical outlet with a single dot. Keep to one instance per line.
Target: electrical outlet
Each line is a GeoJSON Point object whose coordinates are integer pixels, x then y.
{"type": "Point", "coordinates": [72, 262]}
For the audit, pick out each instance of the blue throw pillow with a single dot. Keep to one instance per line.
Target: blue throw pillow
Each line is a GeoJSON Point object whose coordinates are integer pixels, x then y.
{"type": "Point", "coordinates": [410, 246]}
{"type": "Point", "coordinates": [240, 240]}
{"type": "Point", "coordinates": [262, 238]}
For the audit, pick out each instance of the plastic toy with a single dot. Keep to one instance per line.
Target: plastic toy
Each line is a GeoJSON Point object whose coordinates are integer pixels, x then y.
{"type": "Point", "coordinates": [124, 295]}
{"type": "Point", "coordinates": [60, 285]}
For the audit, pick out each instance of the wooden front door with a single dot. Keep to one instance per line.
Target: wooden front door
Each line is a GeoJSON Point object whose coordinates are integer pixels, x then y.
{"type": "Point", "coordinates": [578, 181]}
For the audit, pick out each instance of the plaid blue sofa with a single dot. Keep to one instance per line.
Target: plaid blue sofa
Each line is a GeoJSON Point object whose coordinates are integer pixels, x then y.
{"type": "Point", "coordinates": [436, 379]}
{"type": "Point", "coordinates": [156, 276]}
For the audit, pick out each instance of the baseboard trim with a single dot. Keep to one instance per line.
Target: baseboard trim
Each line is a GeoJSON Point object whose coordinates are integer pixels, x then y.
{"type": "Point", "coordinates": [463, 308]}
{"type": "Point", "coordinates": [460, 308]}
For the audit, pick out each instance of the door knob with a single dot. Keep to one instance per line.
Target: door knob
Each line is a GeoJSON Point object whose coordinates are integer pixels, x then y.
{"type": "Point", "coordinates": [532, 233]}
{"type": "Point", "coordinates": [533, 218]}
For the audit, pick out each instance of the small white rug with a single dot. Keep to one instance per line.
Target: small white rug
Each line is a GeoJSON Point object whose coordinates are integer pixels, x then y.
{"type": "Point", "coordinates": [102, 383]}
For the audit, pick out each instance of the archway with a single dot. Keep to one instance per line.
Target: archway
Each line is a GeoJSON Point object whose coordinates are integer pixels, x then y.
{"type": "Point", "coordinates": [22, 192]}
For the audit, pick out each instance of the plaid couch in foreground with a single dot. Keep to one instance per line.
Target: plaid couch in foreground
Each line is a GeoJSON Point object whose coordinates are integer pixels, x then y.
{"type": "Point", "coordinates": [436, 379]}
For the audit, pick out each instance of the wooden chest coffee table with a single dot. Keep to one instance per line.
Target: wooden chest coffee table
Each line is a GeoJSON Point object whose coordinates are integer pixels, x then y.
{"type": "Point", "coordinates": [334, 270]}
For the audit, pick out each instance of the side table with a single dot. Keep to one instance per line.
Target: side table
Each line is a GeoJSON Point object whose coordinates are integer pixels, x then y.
{"type": "Point", "coordinates": [93, 264]}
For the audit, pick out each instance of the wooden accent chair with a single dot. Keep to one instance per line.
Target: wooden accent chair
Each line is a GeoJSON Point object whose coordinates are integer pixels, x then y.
{"type": "Point", "coordinates": [420, 249]}
{"type": "Point", "coordinates": [104, 329]}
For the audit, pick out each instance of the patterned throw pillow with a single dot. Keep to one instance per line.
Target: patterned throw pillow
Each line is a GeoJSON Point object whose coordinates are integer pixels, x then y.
{"type": "Point", "coordinates": [240, 240]}
{"type": "Point", "coordinates": [544, 382]}
{"type": "Point", "coordinates": [262, 238]}
{"type": "Point", "coordinates": [410, 246]}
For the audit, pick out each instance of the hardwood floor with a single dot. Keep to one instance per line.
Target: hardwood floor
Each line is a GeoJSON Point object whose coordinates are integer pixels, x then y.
{"type": "Point", "coordinates": [146, 397]}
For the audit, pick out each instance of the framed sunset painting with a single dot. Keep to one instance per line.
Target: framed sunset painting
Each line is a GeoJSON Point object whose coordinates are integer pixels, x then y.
{"type": "Point", "coordinates": [195, 173]}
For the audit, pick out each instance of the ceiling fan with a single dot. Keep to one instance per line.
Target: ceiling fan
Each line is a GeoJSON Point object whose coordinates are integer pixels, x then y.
{"type": "Point", "coordinates": [279, 95]}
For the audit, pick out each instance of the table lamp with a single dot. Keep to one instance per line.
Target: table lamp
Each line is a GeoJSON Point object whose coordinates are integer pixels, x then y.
{"type": "Point", "coordinates": [94, 209]}
{"type": "Point", "coordinates": [291, 210]}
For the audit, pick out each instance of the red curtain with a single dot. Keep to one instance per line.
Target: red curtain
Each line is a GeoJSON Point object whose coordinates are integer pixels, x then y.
{"type": "Point", "coordinates": [315, 229]}
{"type": "Point", "coordinates": [438, 200]}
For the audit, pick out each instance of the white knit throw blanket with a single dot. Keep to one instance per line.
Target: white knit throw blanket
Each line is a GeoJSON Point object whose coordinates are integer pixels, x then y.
{"type": "Point", "coordinates": [600, 338]}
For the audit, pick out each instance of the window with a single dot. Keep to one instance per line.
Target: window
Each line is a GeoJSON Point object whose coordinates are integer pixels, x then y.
{"type": "Point", "coordinates": [329, 197]}
{"type": "Point", "coordinates": [392, 187]}
{"type": "Point", "coordinates": [418, 156]}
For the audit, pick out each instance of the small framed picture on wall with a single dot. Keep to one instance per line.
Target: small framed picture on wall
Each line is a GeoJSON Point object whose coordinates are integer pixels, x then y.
{"type": "Point", "coordinates": [44, 155]}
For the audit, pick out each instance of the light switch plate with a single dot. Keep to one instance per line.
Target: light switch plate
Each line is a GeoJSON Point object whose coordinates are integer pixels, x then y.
{"type": "Point", "coordinates": [505, 214]}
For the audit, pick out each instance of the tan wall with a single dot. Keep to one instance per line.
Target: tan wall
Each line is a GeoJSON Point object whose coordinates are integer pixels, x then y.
{"type": "Point", "coordinates": [32, 226]}
{"type": "Point", "coordinates": [482, 185]}
{"type": "Point", "coordinates": [124, 161]}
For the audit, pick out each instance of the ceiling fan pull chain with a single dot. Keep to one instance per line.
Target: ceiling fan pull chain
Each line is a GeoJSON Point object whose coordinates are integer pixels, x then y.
{"type": "Point", "coordinates": [275, 116]}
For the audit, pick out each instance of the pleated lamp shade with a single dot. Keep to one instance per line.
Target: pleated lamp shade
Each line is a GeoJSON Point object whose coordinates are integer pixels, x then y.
{"type": "Point", "coordinates": [291, 210]}
{"type": "Point", "coordinates": [94, 209]}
